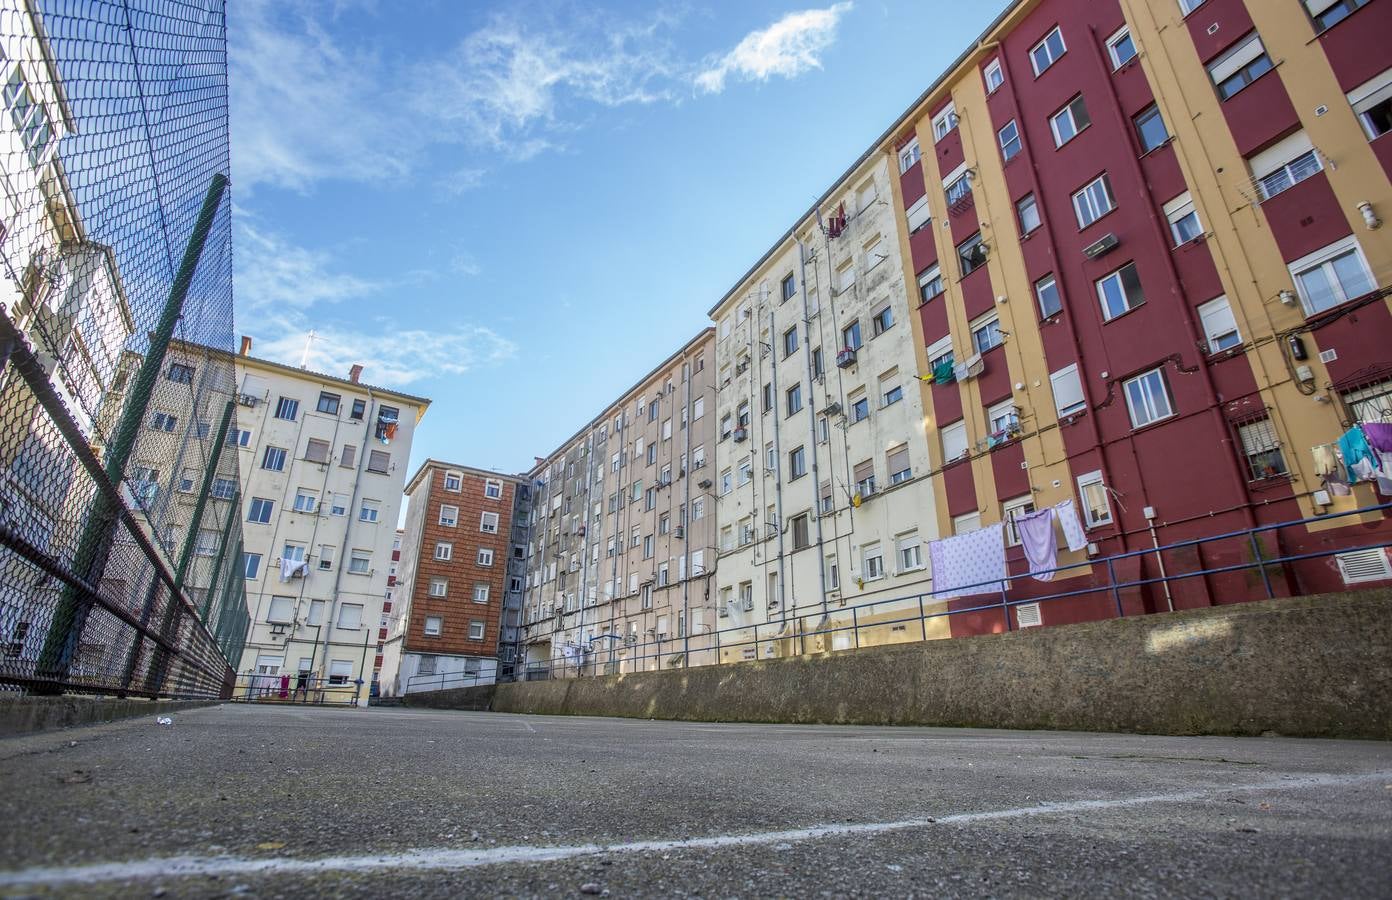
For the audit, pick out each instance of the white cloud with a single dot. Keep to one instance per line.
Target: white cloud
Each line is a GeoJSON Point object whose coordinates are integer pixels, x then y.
{"type": "Point", "coordinates": [787, 48]}
{"type": "Point", "coordinates": [273, 273]}
{"type": "Point", "coordinates": [390, 357]}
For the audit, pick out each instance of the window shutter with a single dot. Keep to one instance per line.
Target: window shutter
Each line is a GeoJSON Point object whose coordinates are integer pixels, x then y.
{"type": "Point", "coordinates": [1068, 389]}
{"type": "Point", "coordinates": [864, 470]}
{"type": "Point", "coordinates": [1230, 62]}
{"type": "Point", "coordinates": [898, 460]}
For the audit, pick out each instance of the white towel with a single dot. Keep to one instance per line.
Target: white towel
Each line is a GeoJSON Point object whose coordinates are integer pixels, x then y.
{"type": "Point", "coordinates": [1072, 529]}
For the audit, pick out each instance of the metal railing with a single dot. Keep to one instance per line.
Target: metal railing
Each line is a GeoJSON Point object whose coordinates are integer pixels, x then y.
{"type": "Point", "coordinates": [1266, 573]}
{"type": "Point", "coordinates": [296, 687]}
{"type": "Point", "coordinates": [446, 680]}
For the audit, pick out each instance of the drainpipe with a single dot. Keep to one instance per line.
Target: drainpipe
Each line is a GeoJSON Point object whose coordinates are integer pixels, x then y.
{"type": "Point", "coordinates": [812, 425]}
{"type": "Point", "coordinates": [687, 375]}
{"type": "Point", "coordinates": [778, 455]}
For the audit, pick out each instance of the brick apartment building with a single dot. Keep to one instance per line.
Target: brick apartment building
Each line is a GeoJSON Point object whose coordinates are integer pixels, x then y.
{"type": "Point", "coordinates": [454, 593]}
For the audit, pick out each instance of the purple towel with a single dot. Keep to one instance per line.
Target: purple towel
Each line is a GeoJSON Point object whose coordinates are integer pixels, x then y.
{"type": "Point", "coordinates": [1036, 532]}
{"type": "Point", "coordinates": [1379, 435]}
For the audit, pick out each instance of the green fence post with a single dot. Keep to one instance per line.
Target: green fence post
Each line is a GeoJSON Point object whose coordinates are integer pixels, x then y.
{"type": "Point", "coordinates": [94, 545]}
{"type": "Point", "coordinates": [222, 557]}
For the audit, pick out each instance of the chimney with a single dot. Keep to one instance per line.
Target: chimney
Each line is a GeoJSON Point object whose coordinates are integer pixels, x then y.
{"type": "Point", "coordinates": [355, 373]}
{"type": "Point", "coordinates": [246, 345]}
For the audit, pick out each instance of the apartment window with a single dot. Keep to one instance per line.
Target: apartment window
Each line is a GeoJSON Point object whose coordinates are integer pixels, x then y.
{"type": "Point", "coordinates": [993, 76]}
{"type": "Point", "coordinates": [790, 342]}
{"type": "Point", "coordinates": [1068, 391]}
{"type": "Point", "coordinates": [328, 403]}
{"type": "Point", "coordinates": [1070, 121]}
{"type": "Point", "coordinates": [958, 185]}
{"type": "Point", "coordinates": [1188, 6]}
{"type": "Point", "coordinates": [439, 587]}
{"type": "Point", "coordinates": [698, 408]}
{"type": "Point", "coordinates": [746, 471]}
{"type": "Point", "coordinates": [476, 630]}
{"type": "Point", "coordinates": [338, 505]}
{"type": "Point", "coordinates": [1094, 201]}
{"type": "Point", "coordinates": [698, 509]}
{"type": "Point", "coordinates": [797, 464]}
{"type": "Point", "coordinates": [1121, 48]}
{"type": "Point", "coordinates": [444, 550]}
{"type": "Point", "coordinates": [794, 398]}
{"type": "Point", "coordinates": [1028, 212]}
{"type": "Point", "coordinates": [1327, 13]}
{"type": "Point", "coordinates": [930, 283]}
{"type": "Point", "coordinates": [825, 498]}
{"type": "Point", "coordinates": [801, 532]}
{"type": "Point", "coordinates": [282, 611]}
{"type": "Point", "coordinates": [480, 593]}
{"type": "Point", "coordinates": [163, 421]}
{"type": "Point", "coordinates": [360, 562]}
{"type": "Point", "coordinates": [260, 510]}
{"type": "Point", "coordinates": [484, 557]}
{"type": "Point", "coordinates": [940, 353]}
{"type": "Point", "coordinates": [971, 254]}
{"type": "Point", "coordinates": [1012, 510]}
{"type": "Point", "coordinates": [860, 408]}
{"type": "Point", "coordinates": [845, 276]}
{"type": "Point", "coordinates": [378, 461]}
{"type": "Point", "coordinates": [287, 408]}
{"type": "Point", "coordinates": [652, 454]}
{"type": "Point", "coordinates": [1147, 398]}
{"type": "Point", "coordinates": [1238, 67]}
{"type": "Point", "coordinates": [986, 333]}
{"type": "Point", "coordinates": [1009, 137]}
{"type": "Point", "coordinates": [890, 391]}
{"type": "Point", "coordinates": [882, 321]}
{"type": "Point", "coordinates": [1261, 449]}
{"type": "Point", "coordinates": [666, 429]}
{"type": "Point", "coordinates": [1220, 328]}
{"type": "Point", "coordinates": [1372, 103]}
{"type": "Point", "coordinates": [1004, 419]}
{"type": "Point", "coordinates": [897, 462]}
{"type": "Point", "coordinates": [1096, 508]}
{"type": "Point", "coordinates": [180, 373]}
{"type": "Point", "coordinates": [251, 564]}
{"type": "Point", "coordinates": [359, 409]}
{"type": "Point", "coordinates": [654, 409]}
{"type": "Point", "coordinates": [908, 155]}
{"type": "Point", "coordinates": [350, 616]}
{"type": "Point", "coordinates": [788, 287]}
{"type": "Point", "coordinates": [954, 440]}
{"type": "Point", "coordinates": [317, 451]}
{"type": "Point", "coordinates": [239, 437]}
{"type": "Point", "coordinates": [1047, 52]}
{"type": "Point", "coordinates": [1183, 219]}
{"type": "Point", "coordinates": [306, 501]}
{"type": "Point", "coordinates": [493, 490]}
{"type": "Point", "coordinates": [207, 542]}
{"type": "Point", "coordinates": [727, 481]}
{"type": "Point", "coordinates": [273, 459]}
{"type": "Point", "coordinates": [186, 479]}
{"type": "Point", "coordinates": [326, 557]}
{"type": "Point", "coordinates": [433, 626]}
{"type": "Point", "coordinates": [908, 552]}
{"type": "Point", "coordinates": [872, 562]}
{"type": "Point", "coordinates": [1120, 292]}
{"type": "Point", "coordinates": [369, 511]}
{"type": "Point", "coordinates": [1331, 276]}
{"type": "Point", "coordinates": [944, 122]}
{"type": "Point", "coordinates": [918, 215]}
{"type": "Point", "coordinates": [865, 196]}
{"type": "Point", "coordinates": [223, 488]}
{"type": "Point", "coordinates": [349, 457]}
{"type": "Point", "coordinates": [850, 336]}
{"type": "Point", "coordinates": [823, 430]}
{"type": "Point", "coordinates": [1046, 292]}
{"type": "Point", "coordinates": [449, 515]}
{"type": "Point", "coordinates": [488, 523]}
{"type": "Point", "coordinates": [1150, 128]}
{"type": "Point", "coordinates": [818, 363]}
{"type": "Point", "coordinates": [966, 523]}
{"type": "Point", "coordinates": [864, 475]}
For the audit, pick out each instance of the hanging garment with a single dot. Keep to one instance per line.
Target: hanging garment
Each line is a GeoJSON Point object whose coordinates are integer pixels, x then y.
{"type": "Point", "coordinates": [942, 374]}
{"type": "Point", "coordinates": [1326, 463]}
{"type": "Point", "coordinates": [1072, 528]}
{"type": "Point", "coordinates": [289, 568]}
{"type": "Point", "coordinates": [1379, 435]}
{"type": "Point", "coordinates": [1354, 447]}
{"type": "Point", "coordinates": [1336, 487]}
{"type": "Point", "coordinates": [972, 563]}
{"type": "Point", "coordinates": [1363, 470]}
{"type": "Point", "coordinates": [1036, 532]}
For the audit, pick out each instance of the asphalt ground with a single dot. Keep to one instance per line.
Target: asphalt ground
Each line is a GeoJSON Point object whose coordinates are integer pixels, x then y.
{"type": "Point", "coordinates": [293, 802]}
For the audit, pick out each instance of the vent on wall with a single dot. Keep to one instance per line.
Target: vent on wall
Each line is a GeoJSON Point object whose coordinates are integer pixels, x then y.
{"type": "Point", "coordinates": [1028, 615]}
{"type": "Point", "coordinates": [1328, 356]}
{"type": "Point", "coordinates": [1358, 566]}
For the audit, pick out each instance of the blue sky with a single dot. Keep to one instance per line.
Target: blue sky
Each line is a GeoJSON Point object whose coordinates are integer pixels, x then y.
{"type": "Point", "coordinates": [517, 209]}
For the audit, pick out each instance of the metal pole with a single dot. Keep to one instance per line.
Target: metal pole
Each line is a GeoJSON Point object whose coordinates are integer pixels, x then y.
{"type": "Point", "coordinates": [94, 545]}
{"type": "Point", "coordinates": [812, 422]}
{"type": "Point", "coordinates": [1261, 565]}
{"type": "Point", "coordinates": [232, 510]}
{"type": "Point", "coordinates": [922, 617]}
{"type": "Point", "coordinates": [1005, 603]}
{"type": "Point", "coordinates": [1116, 594]}
{"type": "Point", "coordinates": [855, 627]}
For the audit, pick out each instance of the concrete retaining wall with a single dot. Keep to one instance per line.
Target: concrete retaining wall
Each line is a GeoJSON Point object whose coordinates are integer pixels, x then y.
{"type": "Point", "coordinates": [24, 715]}
{"type": "Point", "coordinates": [1312, 666]}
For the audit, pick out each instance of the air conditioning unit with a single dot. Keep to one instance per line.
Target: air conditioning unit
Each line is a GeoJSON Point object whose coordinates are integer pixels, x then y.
{"type": "Point", "coordinates": [1101, 247]}
{"type": "Point", "coordinates": [846, 358]}
{"type": "Point", "coordinates": [832, 409]}
{"type": "Point", "coordinates": [679, 532]}
{"type": "Point", "coordinates": [248, 400]}
{"type": "Point", "coordinates": [630, 639]}
{"type": "Point", "coordinates": [740, 435]}
{"type": "Point", "coordinates": [704, 483]}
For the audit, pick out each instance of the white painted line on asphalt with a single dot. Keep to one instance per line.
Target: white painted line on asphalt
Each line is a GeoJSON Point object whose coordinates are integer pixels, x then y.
{"type": "Point", "coordinates": [444, 858]}
{"type": "Point", "coordinates": [529, 726]}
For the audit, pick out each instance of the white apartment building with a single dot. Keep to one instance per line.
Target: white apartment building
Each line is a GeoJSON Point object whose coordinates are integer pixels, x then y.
{"type": "Point", "coordinates": [822, 497]}
{"type": "Point", "coordinates": [323, 462]}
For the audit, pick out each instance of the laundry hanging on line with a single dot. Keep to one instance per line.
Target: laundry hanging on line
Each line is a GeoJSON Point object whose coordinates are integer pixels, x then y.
{"type": "Point", "coordinates": [974, 561]}
{"type": "Point", "coordinates": [1036, 531]}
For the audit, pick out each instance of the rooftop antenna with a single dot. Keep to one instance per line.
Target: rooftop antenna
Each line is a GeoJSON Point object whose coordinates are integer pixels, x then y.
{"type": "Point", "coordinates": [309, 341]}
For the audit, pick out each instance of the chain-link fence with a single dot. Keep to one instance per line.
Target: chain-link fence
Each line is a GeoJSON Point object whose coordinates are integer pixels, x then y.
{"type": "Point", "coordinates": [120, 539]}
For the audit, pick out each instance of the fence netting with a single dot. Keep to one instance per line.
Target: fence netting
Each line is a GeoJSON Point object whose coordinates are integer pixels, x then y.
{"type": "Point", "coordinates": [120, 539]}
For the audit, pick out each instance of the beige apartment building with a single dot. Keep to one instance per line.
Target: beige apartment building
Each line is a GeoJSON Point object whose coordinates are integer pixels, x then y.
{"type": "Point", "coordinates": [323, 462]}
{"type": "Point", "coordinates": [821, 451]}
{"type": "Point", "coordinates": [622, 533]}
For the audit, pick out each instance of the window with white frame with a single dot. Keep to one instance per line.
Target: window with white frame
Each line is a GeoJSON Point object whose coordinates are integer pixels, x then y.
{"type": "Point", "coordinates": [1183, 219]}
{"type": "Point", "coordinates": [1009, 138]}
{"type": "Point", "coordinates": [360, 562]}
{"type": "Point", "coordinates": [993, 75]}
{"type": "Point", "coordinates": [492, 489]}
{"type": "Point", "coordinates": [1120, 47]}
{"type": "Point", "coordinates": [1070, 121]}
{"type": "Point", "coordinates": [350, 616]}
{"type": "Point", "coordinates": [306, 501]}
{"type": "Point", "coordinates": [1328, 13]}
{"type": "Point", "coordinates": [480, 593]}
{"type": "Point", "coordinates": [1010, 511]}
{"type": "Point", "coordinates": [1332, 275]}
{"type": "Point", "coordinates": [1004, 418]}
{"type": "Point", "coordinates": [488, 523]}
{"type": "Point", "coordinates": [1219, 326]}
{"type": "Point", "coordinates": [986, 333]}
{"type": "Point", "coordinates": [369, 510]}
{"type": "Point", "coordinates": [1094, 201]}
{"type": "Point", "coordinates": [957, 185]}
{"type": "Point", "coordinates": [1261, 449]}
{"type": "Point", "coordinates": [476, 630]}
{"type": "Point", "coordinates": [454, 482]}
{"type": "Point", "coordinates": [1148, 398]}
{"type": "Point", "coordinates": [1097, 509]}
{"type": "Point", "coordinates": [954, 440]}
{"type": "Point", "coordinates": [845, 276]}
{"type": "Point", "coordinates": [918, 214]}
{"type": "Point", "coordinates": [898, 465]}
{"type": "Point", "coordinates": [865, 196]}
{"type": "Point", "coordinates": [930, 283]}
{"type": "Point", "coordinates": [449, 515]}
{"type": "Point", "coordinates": [1372, 104]}
{"type": "Point", "coordinates": [1028, 212]}
{"type": "Point", "coordinates": [434, 625]}
{"type": "Point", "coordinates": [944, 122]}
{"type": "Point", "coordinates": [940, 352]}
{"type": "Point", "coordinates": [439, 587]}
{"type": "Point", "coordinates": [444, 550]}
{"type": "Point", "coordinates": [890, 390]}
{"type": "Point", "coordinates": [1046, 292]}
{"type": "Point", "coordinates": [1150, 128]}
{"type": "Point", "coordinates": [908, 552]}
{"type": "Point", "coordinates": [909, 154]}
{"type": "Point", "coordinates": [1188, 6]}
{"type": "Point", "coordinates": [1120, 292]}
{"type": "Point", "coordinates": [1239, 66]}
{"type": "Point", "coordinates": [282, 611]}
{"type": "Point", "coordinates": [872, 562]}
{"type": "Point", "coordinates": [1284, 164]}
{"type": "Point", "coordinates": [1047, 52]}
{"type": "Point", "coordinates": [966, 523]}
{"type": "Point", "coordinates": [485, 558]}
{"type": "Point", "coordinates": [1068, 391]}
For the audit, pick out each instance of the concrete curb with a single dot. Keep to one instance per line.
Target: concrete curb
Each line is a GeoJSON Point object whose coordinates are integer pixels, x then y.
{"type": "Point", "coordinates": [27, 715]}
